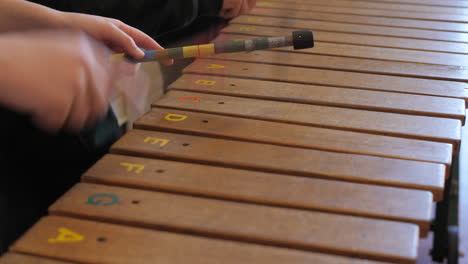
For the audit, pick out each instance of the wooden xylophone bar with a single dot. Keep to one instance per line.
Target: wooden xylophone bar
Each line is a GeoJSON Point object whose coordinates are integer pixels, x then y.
{"type": "Point", "coordinates": [334, 154]}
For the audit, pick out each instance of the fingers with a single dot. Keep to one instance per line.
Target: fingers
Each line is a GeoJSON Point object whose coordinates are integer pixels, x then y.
{"type": "Point", "coordinates": [252, 4]}
{"type": "Point", "coordinates": [79, 110]}
{"type": "Point", "coordinates": [102, 74]}
{"type": "Point", "coordinates": [247, 5]}
{"type": "Point", "coordinates": [91, 86]}
{"type": "Point", "coordinates": [119, 38]}
{"type": "Point", "coordinates": [231, 8]}
{"type": "Point", "coordinates": [167, 62]}
{"type": "Point", "coordinates": [72, 92]}
{"type": "Point", "coordinates": [234, 8]}
{"type": "Point", "coordinates": [141, 39]}
{"type": "Point", "coordinates": [232, 12]}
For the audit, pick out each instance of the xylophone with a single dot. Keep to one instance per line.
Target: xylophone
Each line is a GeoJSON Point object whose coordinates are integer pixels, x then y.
{"type": "Point", "coordinates": [334, 154]}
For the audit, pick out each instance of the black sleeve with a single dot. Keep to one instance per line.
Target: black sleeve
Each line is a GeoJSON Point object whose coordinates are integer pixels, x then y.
{"type": "Point", "coordinates": [154, 17]}
{"type": "Point", "coordinates": [209, 7]}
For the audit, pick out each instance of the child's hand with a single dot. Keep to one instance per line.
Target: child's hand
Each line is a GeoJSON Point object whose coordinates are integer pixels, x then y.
{"type": "Point", "coordinates": [234, 8]}
{"type": "Point", "coordinates": [63, 79]}
{"type": "Point", "coordinates": [117, 35]}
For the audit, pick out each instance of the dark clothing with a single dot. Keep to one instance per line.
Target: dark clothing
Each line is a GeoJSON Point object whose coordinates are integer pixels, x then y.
{"type": "Point", "coordinates": [38, 168]}
{"type": "Point", "coordinates": [154, 17]}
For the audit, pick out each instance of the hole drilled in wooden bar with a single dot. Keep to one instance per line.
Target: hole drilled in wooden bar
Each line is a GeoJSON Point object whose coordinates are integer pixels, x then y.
{"type": "Point", "coordinates": [325, 95]}
{"type": "Point", "coordinates": [404, 69]}
{"type": "Point", "coordinates": [354, 28]}
{"type": "Point", "coordinates": [419, 127]}
{"type": "Point", "coordinates": [362, 20]}
{"type": "Point", "coordinates": [245, 186]}
{"type": "Point", "coordinates": [355, 39]}
{"type": "Point", "coordinates": [326, 77]}
{"type": "Point", "coordinates": [266, 188]}
{"type": "Point", "coordinates": [416, 57]}
{"type": "Point", "coordinates": [137, 245]}
{"type": "Point", "coordinates": [366, 12]}
{"type": "Point", "coordinates": [299, 229]}
{"type": "Point", "coordinates": [294, 135]}
{"type": "Point", "coordinates": [287, 160]}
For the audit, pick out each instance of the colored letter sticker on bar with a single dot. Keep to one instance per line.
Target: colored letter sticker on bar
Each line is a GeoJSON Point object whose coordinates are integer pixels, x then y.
{"type": "Point", "coordinates": [105, 199]}
{"type": "Point", "coordinates": [175, 117]}
{"type": "Point", "coordinates": [65, 236]}
{"type": "Point", "coordinates": [130, 166]}
{"type": "Point", "coordinates": [153, 141]}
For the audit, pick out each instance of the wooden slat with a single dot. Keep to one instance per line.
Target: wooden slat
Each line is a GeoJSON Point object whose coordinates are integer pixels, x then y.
{"type": "Point", "coordinates": [453, 3]}
{"type": "Point", "coordinates": [333, 78]}
{"type": "Point", "coordinates": [355, 39]}
{"type": "Point", "coordinates": [287, 160]}
{"type": "Point", "coordinates": [353, 28]}
{"type": "Point", "coordinates": [367, 12]}
{"type": "Point", "coordinates": [363, 20]}
{"type": "Point", "coordinates": [392, 68]}
{"type": "Point", "coordinates": [419, 127]}
{"type": "Point", "coordinates": [294, 135]}
{"type": "Point", "coordinates": [325, 95]}
{"type": "Point", "coordinates": [416, 57]}
{"type": "Point", "coordinates": [380, 6]}
{"type": "Point", "coordinates": [398, 204]}
{"type": "Point", "coordinates": [13, 258]}
{"type": "Point", "coordinates": [101, 243]}
{"type": "Point", "coordinates": [314, 231]}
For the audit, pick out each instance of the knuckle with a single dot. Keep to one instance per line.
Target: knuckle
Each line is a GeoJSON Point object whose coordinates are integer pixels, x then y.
{"type": "Point", "coordinates": [116, 22]}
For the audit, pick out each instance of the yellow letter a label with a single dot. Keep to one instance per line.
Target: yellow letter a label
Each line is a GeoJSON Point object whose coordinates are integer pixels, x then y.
{"type": "Point", "coordinates": [66, 235]}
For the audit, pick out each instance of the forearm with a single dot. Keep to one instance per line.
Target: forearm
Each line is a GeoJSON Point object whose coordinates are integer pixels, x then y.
{"type": "Point", "coordinates": [22, 15]}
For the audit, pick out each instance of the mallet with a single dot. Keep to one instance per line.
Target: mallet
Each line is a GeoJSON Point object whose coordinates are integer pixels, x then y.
{"type": "Point", "coordinates": [302, 39]}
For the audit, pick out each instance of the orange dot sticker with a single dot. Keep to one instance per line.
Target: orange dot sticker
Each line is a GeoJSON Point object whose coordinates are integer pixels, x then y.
{"type": "Point", "coordinates": [193, 99]}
